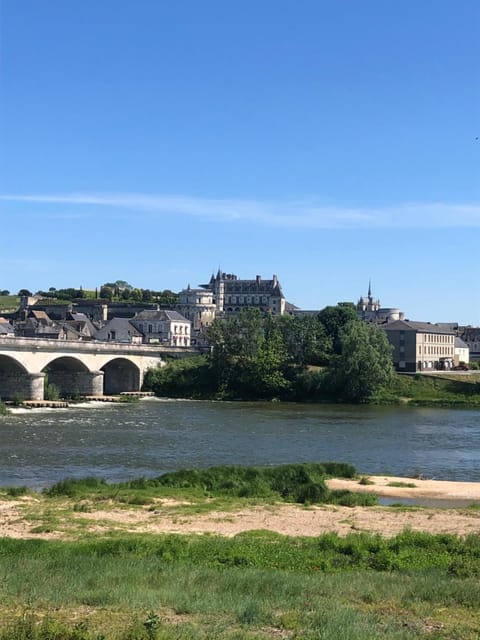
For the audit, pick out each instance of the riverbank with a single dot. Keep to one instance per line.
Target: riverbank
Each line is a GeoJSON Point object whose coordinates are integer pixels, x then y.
{"type": "Point", "coordinates": [37, 516]}
{"type": "Point", "coordinates": [125, 562]}
{"type": "Point", "coordinates": [410, 488]}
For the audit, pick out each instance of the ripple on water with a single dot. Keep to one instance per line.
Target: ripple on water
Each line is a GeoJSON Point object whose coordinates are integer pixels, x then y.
{"type": "Point", "coordinates": [39, 447]}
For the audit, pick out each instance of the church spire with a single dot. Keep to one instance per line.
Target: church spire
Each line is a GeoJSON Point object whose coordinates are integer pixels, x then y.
{"type": "Point", "coordinates": [369, 288]}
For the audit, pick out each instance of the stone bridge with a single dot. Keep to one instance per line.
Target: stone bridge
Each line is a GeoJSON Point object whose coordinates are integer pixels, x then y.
{"type": "Point", "coordinates": [76, 368]}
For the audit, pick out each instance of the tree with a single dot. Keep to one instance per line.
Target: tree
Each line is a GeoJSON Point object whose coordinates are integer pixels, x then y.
{"type": "Point", "coordinates": [24, 292]}
{"type": "Point", "coordinates": [147, 295]}
{"type": "Point", "coordinates": [247, 355]}
{"type": "Point", "coordinates": [166, 298]}
{"type": "Point", "coordinates": [305, 339]}
{"type": "Point", "coordinates": [364, 364]}
{"type": "Point", "coordinates": [334, 319]}
{"type": "Point", "coordinates": [106, 292]}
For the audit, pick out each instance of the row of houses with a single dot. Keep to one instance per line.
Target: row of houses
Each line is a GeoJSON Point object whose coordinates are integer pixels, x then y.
{"type": "Point", "coordinates": [150, 326]}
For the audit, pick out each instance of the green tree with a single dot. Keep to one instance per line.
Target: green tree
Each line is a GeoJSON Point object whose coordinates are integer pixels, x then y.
{"type": "Point", "coordinates": [305, 339]}
{"type": "Point", "coordinates": [166, 298]}
{"type": "Point", "coordinates": [147, 295]}
{"type": "Point", "coordinates": [247, 355]}
{"type": "Point", "coordinates": [334, 319]}
{"type": "Point", "coordinates": [364, 364]}
{"type": "Point", "coordinates": [106, 292]}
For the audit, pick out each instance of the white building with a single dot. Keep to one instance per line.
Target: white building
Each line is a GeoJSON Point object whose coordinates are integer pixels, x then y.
{"type": "Point", "coordinates": [165, 327]}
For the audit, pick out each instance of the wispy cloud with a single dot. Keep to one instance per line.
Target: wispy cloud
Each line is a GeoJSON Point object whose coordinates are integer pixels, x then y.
{"type": "Point", "coordinates": [295, 214]}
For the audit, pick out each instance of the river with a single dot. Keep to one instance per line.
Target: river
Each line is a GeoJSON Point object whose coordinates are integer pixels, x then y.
{"type": "Point", "coordinates": [119, 442]}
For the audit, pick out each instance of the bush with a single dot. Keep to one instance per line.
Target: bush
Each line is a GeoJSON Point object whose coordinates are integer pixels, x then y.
{"type": "Point", "coordinates": [303, 483]}
{"type": "Point", "coordinates": [15, 492]}
{"type": "Point", "coordinates": [72, 487]}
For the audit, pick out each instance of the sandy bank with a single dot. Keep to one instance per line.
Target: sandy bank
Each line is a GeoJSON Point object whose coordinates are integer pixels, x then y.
{"type": "Point", "coordinates": [287, 519]}
{"type": "Point", "coordinates": [433, 489]}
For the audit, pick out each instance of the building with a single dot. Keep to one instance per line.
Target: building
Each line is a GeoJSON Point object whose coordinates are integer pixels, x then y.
{"type": "Point", "coordinates": [6, 328]}
{"type": "Point", "coordinates": [421, 346]}
{"type": "Point", "coordinates": [462, 352]}
{"type": "Point", "coordinates": [471, 337]}
{"type": "Point", "coordinates": [370, 310]}
{"type": "Point", "coordinates": [232, 295]}
{"type": "Point", "coordinates": [165, 327]}
{"type": "Point", "coordinates": [198, 306]}
{"type": "Point", "coordinates": [119, 330]}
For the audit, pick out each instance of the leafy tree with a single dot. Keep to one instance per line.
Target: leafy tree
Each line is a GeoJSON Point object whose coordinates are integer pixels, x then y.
{"type": "Point", "coordinates": [334, 319]}
{"type": "Point", "coordinates": [24, 292]}
{"type": "Point", "coordinates": [147, 295]}
{"type": "Point", "coordinates": [167, 298]}
{"type": "Point", "coordinates": [121, 284]}
{"type": "Point", "coordinates": [305, 339]}
{"type": "Point", "coordinates": [247, 355]}
{"type": "Point", "coordinates": [136, 295]}
{"type": "Point", "coordinates": [4, 292]}
{"type": "Point", "coordinates": [106, 292]}
{"type": "Point", "coordinates": [364, 364]}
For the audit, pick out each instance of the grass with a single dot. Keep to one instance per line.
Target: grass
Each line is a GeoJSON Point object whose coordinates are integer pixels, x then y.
{"type": "Point", "coordinates": [300, 483]}
{"type": "Point", "coordinates": [443, 390]}
{"type": "Point", "coordinates": [256, 585]}
{"type": "Point", "coordinates": [9, 303]}
{"type": "Point", "coordinates": [365, 481]}
{"type": "Point", "coordinates": [398, 483]}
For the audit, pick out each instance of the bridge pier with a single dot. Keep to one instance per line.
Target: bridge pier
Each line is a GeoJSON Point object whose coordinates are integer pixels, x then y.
{"type": "Point", "coordinates": [82, 383]}
{"type": "Point", "coordinates": [22, 386]}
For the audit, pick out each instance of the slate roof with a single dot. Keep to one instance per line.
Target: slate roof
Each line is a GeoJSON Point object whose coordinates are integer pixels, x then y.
{"type": "Point", "coordinates": [159, 316]}
{"type": "Point", "coordinates": [421, 327]}
{"type": "Point", "coordinates": [5, 327]}
{"type": "Point", "coordinates": [122, 327]}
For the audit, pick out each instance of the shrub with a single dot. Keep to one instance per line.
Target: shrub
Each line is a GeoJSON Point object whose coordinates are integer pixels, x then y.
{"type": "Point", "coordinates": [15, 492]}
{"type": "Point", "coordinates": [72, 487]}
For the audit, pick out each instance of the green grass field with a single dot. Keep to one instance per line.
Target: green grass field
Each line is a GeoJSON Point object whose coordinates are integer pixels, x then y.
{"type": "Point", "coordinates": [442, 389]}
{"type": "Point", "coordinates": [118, 585]}
{"type": "Point", "coordinates": [252, 586]}
{"type": "Point", "coordinates": [9, 303]}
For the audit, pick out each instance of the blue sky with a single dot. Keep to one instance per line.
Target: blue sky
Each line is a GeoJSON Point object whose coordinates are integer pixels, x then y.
{"type": "Point", "coordinates": [329, 142]}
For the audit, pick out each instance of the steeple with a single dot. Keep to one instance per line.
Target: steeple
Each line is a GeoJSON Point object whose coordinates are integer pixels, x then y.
{"type": "Point", "coordinates": [369, 288]}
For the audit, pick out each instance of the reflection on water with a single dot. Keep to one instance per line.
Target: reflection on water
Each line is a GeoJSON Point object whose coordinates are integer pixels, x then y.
{"type": "Point", "coordinates": [117, 442]}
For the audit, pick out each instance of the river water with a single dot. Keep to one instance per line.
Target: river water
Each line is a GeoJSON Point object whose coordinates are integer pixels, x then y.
{"type": "Point", "coordinates": [119, 442]}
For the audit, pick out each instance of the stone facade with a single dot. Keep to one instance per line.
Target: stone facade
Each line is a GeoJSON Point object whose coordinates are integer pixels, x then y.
{"type": "Point", "coordinates": [198, 306]}
{"type": "Point", "coordinates": [164, 327]}
{"type": "Point", "coordinates": [232, 295]}
{"type": "Point", "coordinates": [421, 346]}
{"type": "Point", "coordinates": [370, 310]}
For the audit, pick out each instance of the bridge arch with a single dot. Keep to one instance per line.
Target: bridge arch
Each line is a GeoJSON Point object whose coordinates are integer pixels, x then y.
{"type": "Point", "coordinates": [16, 382]}
{"type": "Point", "coordinates": [121, 374]}
{"type": "Point", "coordinates": [9, 363]}
{"type": "Point", "coordinates": [72, 377]}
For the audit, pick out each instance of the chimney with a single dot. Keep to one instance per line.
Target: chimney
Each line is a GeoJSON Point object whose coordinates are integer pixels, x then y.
{"type": "Point", "coordinates": [258, 279]}
{"type": "Point", "coordinates": [275, 280]}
